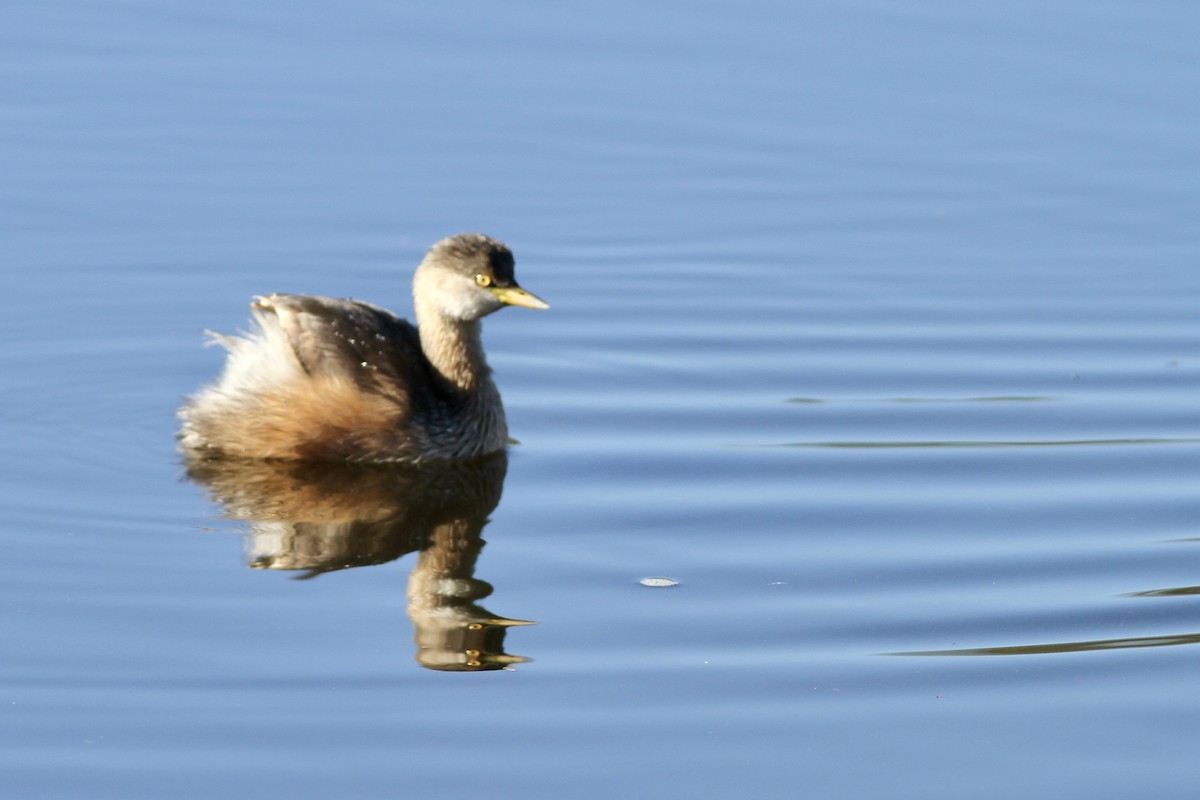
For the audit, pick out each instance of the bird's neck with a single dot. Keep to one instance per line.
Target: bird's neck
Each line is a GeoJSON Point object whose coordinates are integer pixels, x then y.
{"type": "Point", "coordinates": [455, 349]}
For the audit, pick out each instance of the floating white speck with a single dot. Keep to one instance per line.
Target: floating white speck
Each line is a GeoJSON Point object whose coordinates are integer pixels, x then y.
{"type": "Point", "coordinates": [658, 582]}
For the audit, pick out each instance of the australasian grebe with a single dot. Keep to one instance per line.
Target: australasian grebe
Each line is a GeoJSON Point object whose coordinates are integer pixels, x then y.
{"type": "Point", "coordinates": [326, 379]}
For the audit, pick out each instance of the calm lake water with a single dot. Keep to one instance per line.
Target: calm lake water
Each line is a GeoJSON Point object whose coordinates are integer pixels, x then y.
{"type": "Point", "coordinates": [874, 327]}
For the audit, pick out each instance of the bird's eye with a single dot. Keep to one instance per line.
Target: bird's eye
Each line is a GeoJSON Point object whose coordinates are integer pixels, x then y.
{"type": "Point", "coordinates": [483, 280]}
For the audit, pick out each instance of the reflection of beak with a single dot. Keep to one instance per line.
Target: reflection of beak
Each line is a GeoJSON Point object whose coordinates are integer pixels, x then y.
{"type": "Point", "coordinates": [516, 296]}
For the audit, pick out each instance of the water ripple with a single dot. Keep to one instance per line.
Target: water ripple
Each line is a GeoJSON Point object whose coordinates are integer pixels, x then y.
{"type": "Point", "coordinates": [1064, 647]}
{"type": "Point", "coordinates": [973, 444]}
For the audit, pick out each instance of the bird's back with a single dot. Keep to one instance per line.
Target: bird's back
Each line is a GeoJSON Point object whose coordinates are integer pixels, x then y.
{"type": "Point", "coordinates": [321, 379]}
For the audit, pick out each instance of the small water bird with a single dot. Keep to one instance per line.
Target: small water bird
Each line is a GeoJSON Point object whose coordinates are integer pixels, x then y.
{"type": "Point", "coordinates": [325, 379]}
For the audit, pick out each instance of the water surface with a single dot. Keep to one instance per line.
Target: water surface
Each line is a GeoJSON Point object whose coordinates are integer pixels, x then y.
{"type": "Point", "coordinates": [873, 328]}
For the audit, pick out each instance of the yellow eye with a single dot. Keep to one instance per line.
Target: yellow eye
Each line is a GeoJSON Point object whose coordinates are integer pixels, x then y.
{"type": "Point", "coordinates": [483, 280]}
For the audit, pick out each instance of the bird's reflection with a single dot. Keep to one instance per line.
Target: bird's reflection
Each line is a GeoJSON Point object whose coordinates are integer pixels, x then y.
{"type": "Point", "coordinates": [324, 517]}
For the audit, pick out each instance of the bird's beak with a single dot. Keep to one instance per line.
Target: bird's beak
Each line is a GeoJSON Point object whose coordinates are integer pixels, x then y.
{"type": "Point", "coordinates": [516, 296]}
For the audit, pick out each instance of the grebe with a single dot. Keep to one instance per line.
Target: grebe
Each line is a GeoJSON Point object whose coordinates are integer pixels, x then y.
{"type": "Point", "coordinates": [324, 379]}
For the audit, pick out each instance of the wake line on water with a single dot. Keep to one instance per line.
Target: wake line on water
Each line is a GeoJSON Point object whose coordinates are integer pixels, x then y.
{"type": "Point", "coordinates": [980, 443]}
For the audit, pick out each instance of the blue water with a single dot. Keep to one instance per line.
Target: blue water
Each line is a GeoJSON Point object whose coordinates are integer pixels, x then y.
{"type": "Point", "coordinates": [874, 327]}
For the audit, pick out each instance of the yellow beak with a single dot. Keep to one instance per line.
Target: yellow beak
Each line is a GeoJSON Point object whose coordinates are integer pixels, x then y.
{"type": "Point", "coordinates": [516, 296]}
